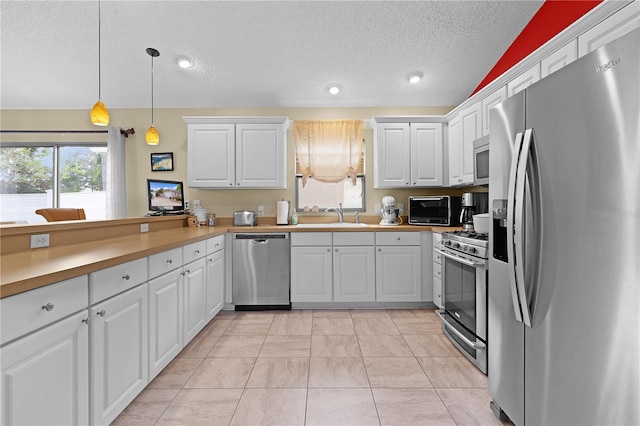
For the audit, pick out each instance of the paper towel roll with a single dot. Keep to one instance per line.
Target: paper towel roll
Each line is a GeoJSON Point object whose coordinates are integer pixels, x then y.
{"type": "Point", "coordinates": [282, 212]}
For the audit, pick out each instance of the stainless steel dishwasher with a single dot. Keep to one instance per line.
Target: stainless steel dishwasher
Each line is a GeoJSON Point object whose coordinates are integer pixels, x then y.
{"type": "Point", "coordinates": [261, 270]}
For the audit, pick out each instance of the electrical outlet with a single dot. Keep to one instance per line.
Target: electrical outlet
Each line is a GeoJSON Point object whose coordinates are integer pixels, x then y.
{"type": "Point", "coordinates": [196, 204]}
{"type": "Point", "coordinates": [401, 207]}
{"type": "Point", "coordinates": [144, 227]}
{"type": "Point", "coordinates": [187, 205]}
{"type": "Point", "coordinates": [260, 209]}
{"type": "Point", "coordinates": [40, 240]}
{"type": "Point", "coordinates": [378, 208]}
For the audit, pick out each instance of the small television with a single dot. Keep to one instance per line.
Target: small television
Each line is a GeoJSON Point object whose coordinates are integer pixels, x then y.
{"type": "Point", "coordinates": [165, 196]}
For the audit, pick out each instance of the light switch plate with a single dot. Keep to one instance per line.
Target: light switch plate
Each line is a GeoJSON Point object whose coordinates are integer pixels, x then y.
{"type": "Point", "coordinates": [260, 209]}
{"type": "Point", "coordinates": [144, 227]}
{"type": "Point", "coordinates": [187, 205]}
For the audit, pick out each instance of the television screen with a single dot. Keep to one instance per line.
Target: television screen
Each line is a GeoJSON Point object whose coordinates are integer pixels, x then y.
{"type": "Point", "coordinates": [165, 195]}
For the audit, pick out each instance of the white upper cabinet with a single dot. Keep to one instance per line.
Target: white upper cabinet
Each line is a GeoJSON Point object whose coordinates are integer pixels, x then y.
{"type": "Point", "coordinates": [618, 24]}
{"type": "Point", "coordinates": [463, 130]}
{"type": "Point", "coordinates": [236, 152]}
{"type": "Point", "coordinates": [211, 155]}
{"type": "Point", "coordinates": [524, 80]}
{"type": "Point", "coordinates": [559, 59]}
{"type": "Point", "coordinates": [392, 152]}
{"type": "Point", "coordinates": [489, 102]}
{"type": "Point", "coordinates": [426, 154]}
{"type": "Point", "coordinates": [407, 153]}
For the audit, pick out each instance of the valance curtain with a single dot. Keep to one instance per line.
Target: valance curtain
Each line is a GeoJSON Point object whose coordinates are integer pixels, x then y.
{"type": "Point", "coordinates": [116, 175]}
{"type": "Point", "coordinates": [329, 150]}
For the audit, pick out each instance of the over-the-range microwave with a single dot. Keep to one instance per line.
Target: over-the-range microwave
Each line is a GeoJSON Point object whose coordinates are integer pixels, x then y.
{"type": "Point", "coordinates": [434, 210]}
{"type": "Point", "coordinates": [481, 161]}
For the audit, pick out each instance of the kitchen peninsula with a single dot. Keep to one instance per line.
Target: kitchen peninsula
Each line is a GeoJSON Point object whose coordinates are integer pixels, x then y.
{"type": "Point", "coordinates": [69, 309]}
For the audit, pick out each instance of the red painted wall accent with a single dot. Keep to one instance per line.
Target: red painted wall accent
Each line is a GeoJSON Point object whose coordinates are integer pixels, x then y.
{"type": "Point", "coordinates": [552, 17]}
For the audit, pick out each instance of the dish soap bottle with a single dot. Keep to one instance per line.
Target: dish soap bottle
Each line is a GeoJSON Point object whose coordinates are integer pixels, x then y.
{"type": "Point", "coordinates": [294, 217]}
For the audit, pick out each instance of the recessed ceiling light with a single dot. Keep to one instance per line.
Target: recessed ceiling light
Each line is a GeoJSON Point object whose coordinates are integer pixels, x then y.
{"type": "Point", "coordinates": [334, 88]}
{"type": "Point", "coordinates": [184, 62]}
{"type": "Point", "coordinates": [414, 77]}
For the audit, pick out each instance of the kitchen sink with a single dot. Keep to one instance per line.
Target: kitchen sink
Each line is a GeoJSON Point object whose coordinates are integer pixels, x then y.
{"type": "Point", "coordinates": [332, 225]}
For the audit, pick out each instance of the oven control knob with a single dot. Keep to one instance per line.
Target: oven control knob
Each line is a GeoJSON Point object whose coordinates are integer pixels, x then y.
{"type": "Point", "coordinates": [472, 249]}
{"type": "Point", "coordinates": [456, 245]}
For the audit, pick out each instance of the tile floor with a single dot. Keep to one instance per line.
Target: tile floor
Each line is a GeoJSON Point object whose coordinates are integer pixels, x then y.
{"type": "Point", "coordinates": [317, 367]}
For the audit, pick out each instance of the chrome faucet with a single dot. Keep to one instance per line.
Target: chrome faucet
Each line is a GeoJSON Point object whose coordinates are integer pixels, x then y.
{"type": "Point", "coordinates": [337, 210]}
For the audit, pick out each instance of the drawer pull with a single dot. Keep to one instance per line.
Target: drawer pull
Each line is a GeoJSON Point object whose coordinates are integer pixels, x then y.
{"type": "Point", "coordinates": [48, 307]}
{"type": "Point", "coordinates": [126, 277]}
{"type": "Point", "coordinates": [101, 313]}
{"type": "Point", "coordinates": [169, 261]}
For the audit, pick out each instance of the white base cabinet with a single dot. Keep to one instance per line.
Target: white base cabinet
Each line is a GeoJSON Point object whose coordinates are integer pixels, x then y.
{"type": "Point", "coordinates": [437, 271]}
{"type": "Point", "coordinates": [354, 277]}
{"type": "Point", "coordinates": [45, 375]}
{"type": "Point", "coordinates": [398, 267]}
{"type": "Point", "coordinates": [165, 320]}
{"type": "Point", "coordinates": [215, 284]}
{"type": "Point", "coordinates": [194, 299]}
{"type": "Point", "coordinates": [311, 274]}
{"type": "Point", "coordinates": [398, 274]}
{"type": "Point", "coordinates": [119, 353]}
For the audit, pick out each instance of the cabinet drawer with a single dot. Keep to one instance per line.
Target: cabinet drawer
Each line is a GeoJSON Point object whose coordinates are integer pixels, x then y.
{"type": "Point", "coordinates": [437, 257]}
{"type": "Point", "coordinates": [26, 312]}
{"type": "Point", "coordinates": [309, 239]}
{"type": "Point", "coordinates": [437, 270]}
{"type": "Point", "coordinates": [194, 251]}
{"type": "Point", "coordinates": [215, 244]}
{"type": "Point", "coordinates": [353, 239]}
{"type": "Point", "coordinates": [398, 238]}
{"type": "Point", "coordinates": [116, 279]}
{"type": "Point", "coordinates": [166, 261]}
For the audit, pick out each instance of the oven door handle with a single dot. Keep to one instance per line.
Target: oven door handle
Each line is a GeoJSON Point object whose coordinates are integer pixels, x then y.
{"type": "Point", "coordinates": [478, 346]}
{"type": "Point", "coordinates": [459, 259]}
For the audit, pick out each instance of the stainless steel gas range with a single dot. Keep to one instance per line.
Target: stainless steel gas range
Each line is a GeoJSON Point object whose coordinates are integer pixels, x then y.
{"type": "Point", "coordinates": [464, 282]}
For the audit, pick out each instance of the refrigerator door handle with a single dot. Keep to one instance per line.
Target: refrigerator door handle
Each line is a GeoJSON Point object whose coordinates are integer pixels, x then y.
{"type": "Point", "coordinates": [519, 225]}
{"type": "Point", "coordinates": [511, 200]}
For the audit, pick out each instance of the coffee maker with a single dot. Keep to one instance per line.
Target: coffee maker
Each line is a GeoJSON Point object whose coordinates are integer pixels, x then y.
{"type": "Point", "coordinates": [472, 203]}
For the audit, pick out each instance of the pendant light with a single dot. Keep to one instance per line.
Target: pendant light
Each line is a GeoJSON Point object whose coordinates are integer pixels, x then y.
{"type": "Point", "coordinates": [152, 138]}
{"type": "Point", "coordinates": [99, 112]}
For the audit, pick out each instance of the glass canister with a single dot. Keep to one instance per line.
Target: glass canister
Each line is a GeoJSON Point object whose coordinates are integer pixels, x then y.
{"type": "Point", "coordinates": [211, 219]}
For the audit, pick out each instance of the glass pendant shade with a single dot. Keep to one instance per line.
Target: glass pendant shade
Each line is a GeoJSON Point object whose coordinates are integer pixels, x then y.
{"type": "Point", "coordinates": [152, 138]}
{"type": "Point", "coordinates": [100, 114]}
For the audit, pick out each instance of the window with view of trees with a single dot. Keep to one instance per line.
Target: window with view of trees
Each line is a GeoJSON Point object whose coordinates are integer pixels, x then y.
{"type": "Point", "coordinates": [56, 175]}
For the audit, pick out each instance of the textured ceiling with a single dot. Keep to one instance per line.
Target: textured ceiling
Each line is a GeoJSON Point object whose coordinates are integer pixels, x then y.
{"type": "Point", "coordinates": [251, 54]}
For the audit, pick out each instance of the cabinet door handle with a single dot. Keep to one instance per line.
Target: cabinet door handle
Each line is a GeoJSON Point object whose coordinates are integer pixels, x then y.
{"type": "Point", "coordinates": [48, 307]}
{"type": "Point", "coordinates": [126, 277]}
{"type": "Point", "coordinates": [197, 251]}
{"type": "Point", "coordinates": [336, 250]}
{"type": "Point", "coordinates": [328, 250]}
{"type": "Point", "coordinates": [379, 249]}
{"type": "Point", "coordinates": [101, 313]}
{"type": "Point", "coordinates": [210, 260]}
{"type": "Point", "coordinates": [86, 320]}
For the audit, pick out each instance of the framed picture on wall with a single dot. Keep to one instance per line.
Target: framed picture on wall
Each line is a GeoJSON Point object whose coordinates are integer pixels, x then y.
{"type": "Point", "coordinates": [162, 162]}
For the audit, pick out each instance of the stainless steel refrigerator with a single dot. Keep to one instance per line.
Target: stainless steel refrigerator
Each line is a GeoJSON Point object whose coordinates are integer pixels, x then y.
{"type": "Point", "coordinates": [564, 274]}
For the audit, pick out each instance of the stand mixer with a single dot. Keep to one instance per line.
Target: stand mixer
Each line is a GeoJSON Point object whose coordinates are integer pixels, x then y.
{"type": "Point", "coordinates": [389, 212]}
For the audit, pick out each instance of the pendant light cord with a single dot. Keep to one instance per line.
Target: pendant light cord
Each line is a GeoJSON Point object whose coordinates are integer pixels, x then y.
{"type": "Point", "coordinates": [152, 90]}
{"type": "Point", "coordinates": [99, 53]}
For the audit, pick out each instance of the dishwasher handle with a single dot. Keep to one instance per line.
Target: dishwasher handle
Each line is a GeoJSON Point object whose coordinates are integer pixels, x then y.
{"type": "Point", "coordinates": [261, 237]}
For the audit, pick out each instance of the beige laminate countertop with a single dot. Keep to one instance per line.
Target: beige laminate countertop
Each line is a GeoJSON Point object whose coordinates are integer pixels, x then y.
{"type": "Point", "coordinates": [27, 270]}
